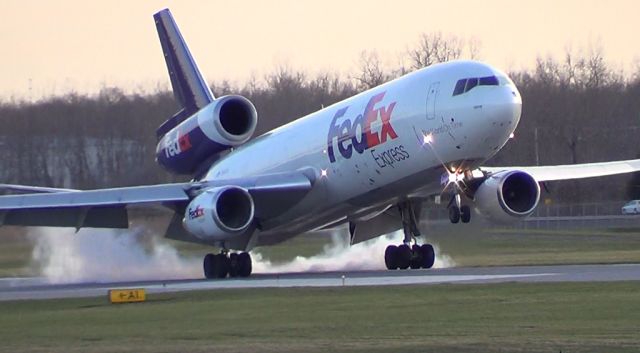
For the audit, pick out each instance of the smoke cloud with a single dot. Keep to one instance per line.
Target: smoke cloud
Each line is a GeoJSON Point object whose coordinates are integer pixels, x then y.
{"type": "Point", "coordinates": [92, 255]}
{"type": "Point", "coordinates": [339, 256]}
{"type": "Point", "coordinates": [62, 256]}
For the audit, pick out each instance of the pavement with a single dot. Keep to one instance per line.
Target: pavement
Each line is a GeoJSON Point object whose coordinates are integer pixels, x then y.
{"type": "Point", "coordinates": [29, 288]}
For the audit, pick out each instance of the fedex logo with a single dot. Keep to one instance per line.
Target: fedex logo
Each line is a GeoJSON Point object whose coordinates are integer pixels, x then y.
{"type": "Point", "coordinates": [349, 138]}
{"type": "Point", "coordinates": [196, 213]}
{"type": "Point", "coordinates": [176, 144]}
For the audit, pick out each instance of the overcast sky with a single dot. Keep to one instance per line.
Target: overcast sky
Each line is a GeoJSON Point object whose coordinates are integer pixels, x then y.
{"type": "Point", "coordinates": [53, 47]}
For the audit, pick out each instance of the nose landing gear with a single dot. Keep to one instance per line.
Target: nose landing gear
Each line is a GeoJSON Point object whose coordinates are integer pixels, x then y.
{"type": "Point", "coordinates": [457, 211]}
{"type": "Point", "coordinates": [223, 264]}
{"type": "Point", "coordinates": [405, 256]}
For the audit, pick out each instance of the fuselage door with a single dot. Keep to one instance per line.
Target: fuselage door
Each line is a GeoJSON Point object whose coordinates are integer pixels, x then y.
{"type": "Point", "coordinates": [432, 96]}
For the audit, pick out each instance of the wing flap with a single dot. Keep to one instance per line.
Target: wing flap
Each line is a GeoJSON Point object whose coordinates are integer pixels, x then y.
{"type": "Point", "coordinates": [384, 223]}
{"type": "Point", "coordinates": [274, 196]}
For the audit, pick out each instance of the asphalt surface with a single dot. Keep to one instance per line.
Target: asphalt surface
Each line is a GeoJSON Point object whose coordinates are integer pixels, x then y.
{"type": "Point", "coordinates": [39, 288]}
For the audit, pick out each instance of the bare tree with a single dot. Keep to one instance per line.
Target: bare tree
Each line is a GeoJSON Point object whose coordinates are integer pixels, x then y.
{"type": "Point", "coordinates": [371, 71]}
{"type": "Point", "coordinates": [436, 47]}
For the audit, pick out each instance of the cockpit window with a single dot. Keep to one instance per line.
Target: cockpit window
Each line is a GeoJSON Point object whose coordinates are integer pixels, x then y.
{"type": "Point", "coordinates": [467, 84]}
{"type": "Point", "coordinates": [489, 81]}
{"type": "Point", "coordinates": [472, 82]}
{"type": "Point", "coordinates": [459, 87]}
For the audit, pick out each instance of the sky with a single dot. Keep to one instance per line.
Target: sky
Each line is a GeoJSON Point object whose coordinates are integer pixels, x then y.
{"type": "Point", "coordinates": [56, 47]}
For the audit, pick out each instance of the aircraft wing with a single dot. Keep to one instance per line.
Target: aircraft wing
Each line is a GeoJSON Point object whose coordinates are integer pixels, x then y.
{"type": "Point", "coordinates": [32, 189]}
{"type": "Point", "coordinates": [106, 208]}
{"type": "Point", "coordinates": [574, 171]}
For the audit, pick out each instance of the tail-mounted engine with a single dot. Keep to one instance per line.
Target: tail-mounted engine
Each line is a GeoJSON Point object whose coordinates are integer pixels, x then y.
{"type": "Point", "coordinates": [507, 196]}
{"type": "Point", "coordinates": [226, 122]}
{"type": "Point", "coordinates": [220, 213]}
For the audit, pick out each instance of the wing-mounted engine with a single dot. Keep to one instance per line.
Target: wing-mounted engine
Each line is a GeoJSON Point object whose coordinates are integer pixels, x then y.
{"type": "Point", "coordinates": [220, 213]}
{"type": "Point", "coordinates": [226, 122]}
{"type": "Point", "coordinates": [507, 196]}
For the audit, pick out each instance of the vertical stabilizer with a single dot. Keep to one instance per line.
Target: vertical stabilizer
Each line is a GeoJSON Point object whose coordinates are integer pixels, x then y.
{"type": "Point", "coordinates": [189, 87]}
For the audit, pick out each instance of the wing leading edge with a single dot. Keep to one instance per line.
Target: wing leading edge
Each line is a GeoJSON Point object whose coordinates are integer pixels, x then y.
{"type": "Point", "coordinates": [574, 171]}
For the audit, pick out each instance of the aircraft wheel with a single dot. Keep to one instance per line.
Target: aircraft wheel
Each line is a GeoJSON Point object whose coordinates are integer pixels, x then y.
{"type": "Point", "coordinates": [209, 271]}
{"type": "Point", "coordinates": [234, 265]}
{"type": "Point", "coordinates": [244, 264]}
{"type": "Point", "coordinates": [465, 214]}
{"type": "Point", "coordinates": [403, 256]}
{"type": "Point", "coordinates": [221, 266]}
{"type": "Point", "coordinates": [454, 214]}
{"type": "Point", "coordinates": [416, 257]}
{"type": "Point", "coordinates": [428, 255]}
{"type": "Point", "coordinates": [390, 257]}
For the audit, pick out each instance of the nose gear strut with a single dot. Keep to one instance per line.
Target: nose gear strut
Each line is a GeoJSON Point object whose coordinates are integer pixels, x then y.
{"type": "Point", "coordinates": [457, 211]}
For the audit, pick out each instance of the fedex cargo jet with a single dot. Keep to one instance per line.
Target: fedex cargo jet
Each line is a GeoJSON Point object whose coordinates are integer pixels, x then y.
{"type": "Point", "coordinates": [367, 163]}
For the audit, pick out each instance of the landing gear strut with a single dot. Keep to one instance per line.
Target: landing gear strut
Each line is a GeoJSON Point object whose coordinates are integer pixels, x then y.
{"type": "Point", "coordinates": [405, 256]}
{"type": "Point", "coordinates": [223, 264]}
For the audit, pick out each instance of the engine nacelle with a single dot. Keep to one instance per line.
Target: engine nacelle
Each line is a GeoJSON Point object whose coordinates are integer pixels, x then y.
{"type": "Point", "coordinates": [220, 213]}
{"type": "Point", "coordinates": [227, 122]}
{"type": "Point", "coordinates": [507, 196]}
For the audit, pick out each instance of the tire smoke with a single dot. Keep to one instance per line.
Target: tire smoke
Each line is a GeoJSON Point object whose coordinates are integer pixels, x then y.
{"type": "Point", "coordinates": [339, 256]}
{"type": "Point", "coordinates": [62, 256]}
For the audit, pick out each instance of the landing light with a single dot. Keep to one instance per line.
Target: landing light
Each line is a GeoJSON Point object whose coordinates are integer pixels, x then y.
{"type": "Point", "coordinates": [427, 138]}
{"type": "Point", "coordinates": [323, 173]}
{"type": "Point", "coordinates": [511, 135]}
{"type": "Point", "coordinates": [455, 177]}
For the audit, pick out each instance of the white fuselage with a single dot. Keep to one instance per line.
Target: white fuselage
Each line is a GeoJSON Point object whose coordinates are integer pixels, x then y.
{"type": "Point", "coordinates": [382, 145]}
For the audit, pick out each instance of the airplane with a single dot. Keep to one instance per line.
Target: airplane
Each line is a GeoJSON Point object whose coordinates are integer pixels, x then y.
{"type": "Point", "coordinates": [367, 163]}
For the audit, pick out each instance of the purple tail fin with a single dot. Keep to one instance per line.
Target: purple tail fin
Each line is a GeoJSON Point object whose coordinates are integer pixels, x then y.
{"type": "Point", "coordinates": [189, 87]}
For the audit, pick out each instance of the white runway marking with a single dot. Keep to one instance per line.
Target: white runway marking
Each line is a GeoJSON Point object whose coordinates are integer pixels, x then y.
{"type": "Point", "coordinates": [332, 282]}
{"type": "Point", "coordinates": [38, 288]}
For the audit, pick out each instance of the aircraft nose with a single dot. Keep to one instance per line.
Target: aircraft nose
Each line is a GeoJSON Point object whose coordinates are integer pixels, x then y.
{"type": "Point", "coordinates": [513, 107]}
{"type": "Point", "coordinates": [502, 115]}
{"type": "Point", "coordinates": [507, 109]}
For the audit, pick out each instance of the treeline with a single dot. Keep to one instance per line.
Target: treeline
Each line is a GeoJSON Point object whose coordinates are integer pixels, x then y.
{"type": "Point", "coordinates": [577, 109]}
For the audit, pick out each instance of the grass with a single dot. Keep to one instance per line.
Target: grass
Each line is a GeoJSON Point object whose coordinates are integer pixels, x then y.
{"type": "Point", "coordinates": [469, 246]}
{"type": "Point", "coordinates": [511, 317]}
{"type": "Point", "coordinates": [14, 258]}
{"type": "Point", "coordinates": [15, 253]}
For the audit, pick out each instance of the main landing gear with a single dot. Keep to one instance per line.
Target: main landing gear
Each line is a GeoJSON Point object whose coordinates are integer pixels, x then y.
{"type": "Point", "coordinates": [223, 264]}
{"type": "Point", "coordinates": [405, 256]}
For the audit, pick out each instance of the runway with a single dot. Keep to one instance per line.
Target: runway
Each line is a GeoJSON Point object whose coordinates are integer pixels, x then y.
{"type": "Point", "coordinates": [39, 288]}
